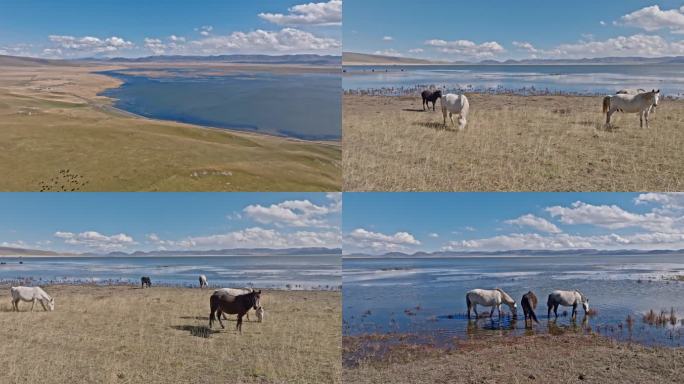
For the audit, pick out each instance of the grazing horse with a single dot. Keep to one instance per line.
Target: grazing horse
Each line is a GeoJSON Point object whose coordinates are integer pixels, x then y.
{"type": "Point", "coordinates": [146, 281]}
{"type": "Point", "coordinates": [203, 281]}
{"type": "Point", "coordinates": [642, 103]}
{"type": "Point", "coordinates": [235, 292]}
{"type": "Point", "coordinates": [528, 304]}
{"type": "Point", "coordinates": [455, 105]}
{"type": "Point", "coordinates": [567, 299]}
{"type": "Point", "coordinates": [431, 97]}
{"type": "Point", "coordinates": [31, 294]}
{"type": "Point", "coordinates": [222, 302]}
{"type": "Point", "coordinates": [489, 298]}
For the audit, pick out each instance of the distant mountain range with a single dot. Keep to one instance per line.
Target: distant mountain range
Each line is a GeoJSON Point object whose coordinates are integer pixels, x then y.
{"type": "Point", "coordinates": [7, 251]}
{"type": "Point", "coordinates": [350, 58]}
{"type": "Point", "coordinates": [521, 252]}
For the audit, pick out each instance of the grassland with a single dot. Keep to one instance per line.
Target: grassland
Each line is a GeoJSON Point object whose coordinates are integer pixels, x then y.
{"type": "Point", "coordinates": [56, 134]}
{"type": "Point", "coordinates": [160, 335]}
{"type": "Point", "coordinates": [512, 143]}
{"type": "Point", "coordinates": [568, 358]}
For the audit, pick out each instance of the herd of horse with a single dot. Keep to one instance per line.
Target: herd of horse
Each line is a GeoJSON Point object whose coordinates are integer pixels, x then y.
{"type": "Point", "coordinates": [637, 101]}
{"type": "Point", "coordinates": [224, 301]}
{"type": "Point", "coordinates": [495, 298]}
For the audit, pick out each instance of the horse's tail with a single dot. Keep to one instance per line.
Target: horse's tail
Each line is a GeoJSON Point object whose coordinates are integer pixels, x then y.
{"type": "Point", "coordinates": [533, 315]}
{"type": "Point", "coordinates": [468, 303]}
{"type": "Point", "coordinates": [606, 104]}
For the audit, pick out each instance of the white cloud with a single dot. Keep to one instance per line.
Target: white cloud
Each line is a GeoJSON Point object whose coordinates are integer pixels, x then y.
{"type": "Point", "coordinates": [294, 213]}
{"type": "Point", "coordinates": [205, 30]}
{"type": "Point", "coordinates": [653, 18]}
{"type": "Point", "coordinates": [285, 40]}
{"type": "Point", "coordinates": [416, 50]}
{"type": "Point", "coordinates": [634, 45]}
{"type": "Point", "coordinates": [329, 13]}
{"type": "Point", "coordinates": [379, 242]}
{"type": "Point", "coordinates": [257, 237]}
{"type": "Point", "coordinates": [612, 217]}
{"type": "Point", "coordinates": [155, 45]}
{"type": "Point", "coordinates": [467, 48]}
{"type": "Point", "coordinates": [433, 235]}
{"type": "Point", "coordinates": [70, 45]}
{"type": "Point", "coordinates": [96, 240]}
{"type": "Point", "coordinates": [603, 23]}
{"type": "Point", "coordinates": [388, 52]}
{"type": "Point", "coordinates": [387, 38]}
{"type": "Point", "coordinates": [525, 46]}
{"type": "Point", "coordinates": [535, 222]}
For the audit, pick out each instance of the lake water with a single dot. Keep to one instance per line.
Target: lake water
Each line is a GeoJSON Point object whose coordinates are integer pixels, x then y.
{"type": "Point", "coordinates": [304, 106]}
{"type": "Point", "coordinates": [427, 296]}
{"type": "Point", "coordinates": [575, 79]}
{"type": "Point", "coordinates": [296, 272]}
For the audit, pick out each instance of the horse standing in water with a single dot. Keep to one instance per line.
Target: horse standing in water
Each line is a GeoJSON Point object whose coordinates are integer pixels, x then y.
{"type": "Point", "coordinates": [567, 299]}
{"type": "Point", "coordinates": [642, 103]}
{"type": "Point", "coordinates": [429, 96]}
{"type": "Point", "coordinates": [146, 281]}
{"type": "Point", "coordinates": [221, 302]}
{"type": "Point", "coordinates": [203, 281]}
{"type": "Point", "coordinates": [489, 298]}
{"type": "Point", "coordinates": [528, 304]}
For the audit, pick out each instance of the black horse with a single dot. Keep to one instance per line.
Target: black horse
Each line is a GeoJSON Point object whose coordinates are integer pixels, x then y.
{"type": "Point", "coordinates": [146, 281]}
{"type": "Point", "coordinates": [429, 96]}
{"type": "Point", "coordinates": [221, 302]}
{"type": "Point", "coordinates": [529, 303]}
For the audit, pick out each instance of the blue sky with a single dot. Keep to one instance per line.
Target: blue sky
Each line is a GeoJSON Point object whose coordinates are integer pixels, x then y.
{"type": "Point", "coordinates": [121, 27]}
{"type": "Point", "coordinates": [409, 222]}
{"type": "Point", "coordinates": [103, 222]}
{"type": "Point", "coordinates": [473, 30]}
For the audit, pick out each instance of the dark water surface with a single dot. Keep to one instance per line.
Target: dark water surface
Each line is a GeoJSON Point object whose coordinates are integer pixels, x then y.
{"type": "Point", "coordinates": [302, 106]}
{"type": "Point", "coordinates": [296, 272]}
{"type": "Point", "coordinates": [427, 296]}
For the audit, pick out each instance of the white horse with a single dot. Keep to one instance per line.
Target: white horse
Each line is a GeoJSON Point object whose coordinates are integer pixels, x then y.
{"type": "Point", "coordinates": [636, 91]}
{"type": "Point", "coordinates": [489, 298]}
{"type": "Point", "coordinates": [203, 281]}
{"type": "Point", "coordinates": [455, 105]}
{"type": "Point", "coordinates": [641, 103]}
{"type": "Point", "coordinates": [237, 292]}
{"type": "Point", "coordinates": [567, 299]}
{"type": "Point", "coordinates": [31, 294]}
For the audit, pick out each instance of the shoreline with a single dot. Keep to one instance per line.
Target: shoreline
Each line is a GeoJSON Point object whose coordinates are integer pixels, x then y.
{"type": "Point", "coordinates": [122, 284]}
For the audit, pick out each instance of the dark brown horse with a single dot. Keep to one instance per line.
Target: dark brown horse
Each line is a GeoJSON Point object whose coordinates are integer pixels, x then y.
{"type": "Point", "coordinates": [529, 303]}
{"type": "Point", "coordinates": [146, 281]}
{"type": "Point", "coordinates": [221, 302]}
{"type": "Point", "coordinates": [429, 96]}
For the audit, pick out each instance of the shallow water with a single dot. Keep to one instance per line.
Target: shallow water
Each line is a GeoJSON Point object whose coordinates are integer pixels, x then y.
{"type": "Point", "coordinates": [573, 79]}
{"type": "Point", "coordinates": [296, 272]}
{"type": "Point", "coordinates": [427, 296]}
{"type": "Point", "coordinates": [303, 106]}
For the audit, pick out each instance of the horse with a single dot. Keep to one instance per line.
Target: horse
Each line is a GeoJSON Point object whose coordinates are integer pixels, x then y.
{"type": "Point", "coordinates": [235, 305]}
{"type": "Point", "coordinates": [31, 294]}
{"type": "Point", "coordinates": [528, 304]}
{"type": "Point", "coordinates": [146, 281]}
{"type": "Point", "coordinates": [642, 103]}
{"type": "Point", "coordinates": [489, 298]}
{"type": "Point", "coordinates": [431, 97]}
{"type": "Point", "coordinates": [203, 281]}
{"type": "Point", "coordinates": [567, 299]}
{"type": "Point", "coordinates": [455, 105]}
{"type": "Point", "coordinates": [235, 292]}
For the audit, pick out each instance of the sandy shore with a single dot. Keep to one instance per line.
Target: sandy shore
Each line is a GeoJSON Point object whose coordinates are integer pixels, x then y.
{"type": "Point", "coordinates": [568, 358]}
{"type": "Point", "coordinates": [512, 143]}
{"type": "Point", "coordinates": [160, 335]}
{"type": "Point", "coordinates": [58, 135]}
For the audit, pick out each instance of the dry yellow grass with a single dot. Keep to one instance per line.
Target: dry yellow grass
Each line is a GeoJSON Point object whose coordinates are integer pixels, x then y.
{"type": "Point", "coordinates": [570, 358]}
{"type": "Point", "coordinates": [512, 143]}
{"type": "Point", "coordinates": [52, 120]}
{"type": "Point", "coordinates": [159, 335]}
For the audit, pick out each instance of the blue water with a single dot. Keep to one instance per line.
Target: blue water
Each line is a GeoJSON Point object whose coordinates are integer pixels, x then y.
{"type": "Point", "coordinates": [427, 296]}
{"type": "Point", "coordinates": [576, 79]}
{"type": "Point", "coordinates": [303, 106]}
{"type": "Point", "coordinates": [295, 272]}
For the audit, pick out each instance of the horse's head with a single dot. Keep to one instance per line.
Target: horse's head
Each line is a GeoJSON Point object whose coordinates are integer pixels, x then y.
{"type": "Point", "coordinates": [584, 300]}
{"type": "Point", "coordinates": [508, 300]}
{"type": "Point", "coordinates": [438, 93]}
{"type": "Point", "coordinates": [656, 97]}
{"type": "Point", "coordinates": [51, 304]}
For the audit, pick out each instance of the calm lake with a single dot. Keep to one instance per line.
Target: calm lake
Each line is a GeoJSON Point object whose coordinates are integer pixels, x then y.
{"type": "Point", "coordinates": [427, 296]}
{"type": "Point", "coordinates": [296, 272]}
{"type": "Point", "coordinates": [575, 79]}
{"type": "Point", "coordinates": [303, 106]}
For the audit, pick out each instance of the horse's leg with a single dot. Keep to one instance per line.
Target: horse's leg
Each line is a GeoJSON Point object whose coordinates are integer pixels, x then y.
{"type": "Point", "coordinates": [444, 114]}
{"type": "Point", "coordinates": [608, 115]}
{"type": "Point", "coordinates": [475, 310]}
{"type": "Point", "coordinates": [647, 114]}
{"type": "Point", "coordinates": [491, 313]}
{"type": "Point", "coordinates": [574, 311]}
{"type": "Point", "coordinates": [33, 304]}
{"type": "Point", "coordinates": [43, 305]}
{"type": "Point", "coordinates": [555, 310]}
{"type": "Point", "coordinates": [641, 119]}
{"type": "Point", "coordinates": [548, 313]}
{"type": "Point", "coordinates": [498, 308]}
{"type": "Point", "coordinates": [239, 322]}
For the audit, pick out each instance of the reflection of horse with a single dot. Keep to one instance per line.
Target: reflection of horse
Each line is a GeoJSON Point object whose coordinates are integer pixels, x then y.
{"type": "Point", "coordinates": [489, 298]}
{"type": "Point", "coordinates": [528, 304]}
{"type": "Point", "coordinates": [567, 299]}
{"type": "Point", "coordinates": [642, 103]}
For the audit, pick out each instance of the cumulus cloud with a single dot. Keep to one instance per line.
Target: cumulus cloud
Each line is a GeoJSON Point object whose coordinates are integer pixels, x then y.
{"type": "Point", "coordinates": [294, 213]}
{"type": "Point", "coordinates": [257, 237]}
{"type": "Point", "coordinates": [380, 242]}
{"type": "Point", "coordinates": [329, 13]}
{"type": "Point", "coordinates": [71, 45]}
{"type": "Point", "coordinates": [535, 222]}
{"type": "Point", "coordinates": [634, 45]}
{"type": "Point", "coordinates": [204, 30]}
{"type": "Point", "coordinates": [96, 240]}
{"type": "Point", "coordinates": [285, 40]}
{"type": "Point", "coordinates": [467, 48]}
{"type": "Point", "coordinates": [416, 50]}
{"type": "Point", "coordinates": [653, 18]}
{"type": "Point", "coordinates": [389, 52]}
{"type": "Point", "coordinates": [612, 217]}
{"type": "Point", "coordinates": [387, 38]}
{"type": "Point", "coordinates": [525, 46]}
